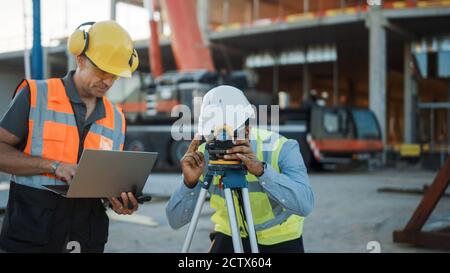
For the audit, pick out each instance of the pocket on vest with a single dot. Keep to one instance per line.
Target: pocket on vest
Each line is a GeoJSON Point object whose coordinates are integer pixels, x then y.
{"type": "Point", "coordinates": [54, 140]}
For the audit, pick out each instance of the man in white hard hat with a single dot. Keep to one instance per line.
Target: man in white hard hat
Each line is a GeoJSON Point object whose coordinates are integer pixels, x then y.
{"type": "Point", "coordinates": [280, 194]}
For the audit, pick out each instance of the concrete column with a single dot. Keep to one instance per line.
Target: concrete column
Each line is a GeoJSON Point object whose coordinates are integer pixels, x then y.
{"type": "Point", "coordinates": [377, 67]}
{"type": "Point", "coordinates": [409, 96]}
{"type": "Point", "coordinates": [305, 83]}
{"type": "Point", "coordinates": [275, 83]}
{"type": "Point", "coordinates": [448, 120]}
{"type": "Point", "coordinates": [112, 12]}
{"type": "Point", "coordinates": [225, 12]}
{"type": "Point", "coordinates": [255, 10]}
{"type": "Point", "coordinates": [203, 19]}
{"type": "Point", "coordinates": [71, 62]}
{"type": "Point", "coordinates": [46, 62]}
{"type": "Point", "coordinates": [305, 5]}
{"type": "Point", "coordinates": [26, 51]}
{"type": "Point", "coordinates": [335, 83]}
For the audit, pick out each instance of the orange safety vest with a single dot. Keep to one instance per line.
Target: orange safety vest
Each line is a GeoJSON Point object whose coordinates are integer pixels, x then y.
{"type": "Point", "coordinates": [53, 132]}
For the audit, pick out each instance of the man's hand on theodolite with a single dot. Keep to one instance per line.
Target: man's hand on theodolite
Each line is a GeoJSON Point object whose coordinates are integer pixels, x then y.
{"type": "Point", "coordinates": [243, 151]}
{"type": "Point", "coordinates": [193, 163]}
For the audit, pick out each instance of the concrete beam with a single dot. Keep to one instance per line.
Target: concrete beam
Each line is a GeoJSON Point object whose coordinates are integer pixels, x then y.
{"type": "Point", "coordinates": [302, 24]}
{"type": "Point", "coordinates": [416, 12]}
{"type": "Point", "coordinates": [331, 20]}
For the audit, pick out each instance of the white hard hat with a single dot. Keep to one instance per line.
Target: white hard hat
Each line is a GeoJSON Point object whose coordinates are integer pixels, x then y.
{"type": "Point", "coordinates": [224, 105]}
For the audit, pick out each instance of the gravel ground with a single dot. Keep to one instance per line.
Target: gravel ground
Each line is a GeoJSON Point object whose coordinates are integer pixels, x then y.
{"type": "Point", "coordinates": [349, 213]}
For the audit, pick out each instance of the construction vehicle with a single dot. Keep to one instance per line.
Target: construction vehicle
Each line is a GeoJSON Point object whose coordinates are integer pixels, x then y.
{"type": "Point", "coordinates": [327, 135]}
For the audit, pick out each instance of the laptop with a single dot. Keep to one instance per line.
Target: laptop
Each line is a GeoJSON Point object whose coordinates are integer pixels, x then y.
{"type": "Point", "coordinates": [103, 174]}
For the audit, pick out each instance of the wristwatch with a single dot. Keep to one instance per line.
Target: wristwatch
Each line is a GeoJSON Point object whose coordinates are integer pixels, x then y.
{"type": "Point", "coordinates": [264, 168]}
{"type": "Point", "coordinates": [55, 166]}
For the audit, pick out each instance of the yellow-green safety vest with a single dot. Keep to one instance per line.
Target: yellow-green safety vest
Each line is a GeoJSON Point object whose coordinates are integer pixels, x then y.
{"type": "Point", "coordinates": [273, 223]}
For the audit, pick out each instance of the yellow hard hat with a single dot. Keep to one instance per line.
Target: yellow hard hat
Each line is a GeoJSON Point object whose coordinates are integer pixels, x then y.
{"type": "Point", "coordinates": [107, 45]}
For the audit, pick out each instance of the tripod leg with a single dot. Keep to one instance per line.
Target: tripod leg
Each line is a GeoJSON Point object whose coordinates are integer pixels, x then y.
{"type": "Point", "coordinates": [194, 220]}
{"type": "Point", "coordinates": [249, 219]}
{"type": "Point", "coordinates": [236, 234]}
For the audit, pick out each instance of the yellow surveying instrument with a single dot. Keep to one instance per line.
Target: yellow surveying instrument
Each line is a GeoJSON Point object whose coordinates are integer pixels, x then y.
{"type": "Point", "coordinates": [231, 174]}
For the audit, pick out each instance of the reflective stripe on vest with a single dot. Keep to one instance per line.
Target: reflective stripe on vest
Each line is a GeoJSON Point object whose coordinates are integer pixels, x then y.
{"type": "Point", "coordinates": [53, 132]}
{"type": "Point", "coordinates": [273, 223]}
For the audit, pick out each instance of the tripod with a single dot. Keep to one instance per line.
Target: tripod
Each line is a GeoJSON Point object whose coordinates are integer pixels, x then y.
{"type": "Point", "coordinates": [233, 180]}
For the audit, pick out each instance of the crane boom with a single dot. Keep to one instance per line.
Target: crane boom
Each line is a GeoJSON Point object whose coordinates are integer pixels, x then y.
{"type": "Point", "coordinates": [188, 46]}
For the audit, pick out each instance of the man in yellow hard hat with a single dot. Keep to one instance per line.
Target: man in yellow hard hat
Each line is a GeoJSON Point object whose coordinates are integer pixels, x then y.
{"type": "Point", "coordinates": [43, 134]}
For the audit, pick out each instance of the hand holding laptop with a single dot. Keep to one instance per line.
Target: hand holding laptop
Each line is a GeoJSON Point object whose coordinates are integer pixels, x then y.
{"type": "Point", "coordinates": [128, 205]}
{"type": "Point", "coordinates": [118, 176]}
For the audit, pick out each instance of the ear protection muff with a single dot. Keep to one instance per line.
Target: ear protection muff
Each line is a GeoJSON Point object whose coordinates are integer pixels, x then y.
{"type": "Point", "coordinates": [79, 40]}
{"type": "Point", "coordinates": [134, 61]}
{"type": "Point", "coordinates": [78, 44]}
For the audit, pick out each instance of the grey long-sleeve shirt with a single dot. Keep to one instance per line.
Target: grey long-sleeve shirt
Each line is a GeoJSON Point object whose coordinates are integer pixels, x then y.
{"type": "Point", "coordinates": [290, 188]}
